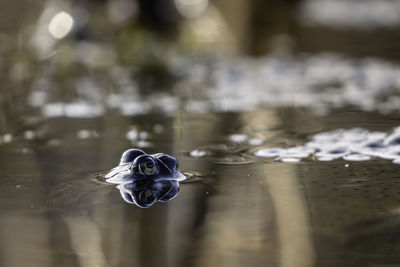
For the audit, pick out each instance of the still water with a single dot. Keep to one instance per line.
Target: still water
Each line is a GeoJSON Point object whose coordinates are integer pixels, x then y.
{"type": "Point", "coordinates": [235, 208]}
{"type": "Point", "coordinates": [283, 115]}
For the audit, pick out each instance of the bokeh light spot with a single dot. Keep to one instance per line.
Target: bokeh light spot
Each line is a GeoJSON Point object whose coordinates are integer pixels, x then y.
{"type": "Point", "coordinates": [60, 25]}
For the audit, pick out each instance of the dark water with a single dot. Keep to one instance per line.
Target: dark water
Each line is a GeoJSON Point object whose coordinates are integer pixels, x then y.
{"type": "Point", "coordinates": [235, 209]}
{"type": "Point", "coordinates": [210, 83]}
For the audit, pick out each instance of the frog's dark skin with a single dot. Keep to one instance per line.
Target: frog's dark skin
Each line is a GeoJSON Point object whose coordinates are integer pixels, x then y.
{"type": "Point", "coordinates": [144, 179]}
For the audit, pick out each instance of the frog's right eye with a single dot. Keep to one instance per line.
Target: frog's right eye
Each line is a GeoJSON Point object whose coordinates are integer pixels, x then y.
{"type": "Point", "coordinates": [148, 166]}
{"type": "Point", "coordinates": [130, 155]}
{"type": "Point", "coordinates": [144, 165]}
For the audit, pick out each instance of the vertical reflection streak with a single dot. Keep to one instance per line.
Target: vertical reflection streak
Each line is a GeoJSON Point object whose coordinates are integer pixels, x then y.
{"type": "Point", "coordinates": [296, 247]}
{"type": "Point", "coordinates": [239, 224]}
{"type": "Point", "coordinates": [85, 241]}
{"type": "Point", "coordinates": [25, 241]}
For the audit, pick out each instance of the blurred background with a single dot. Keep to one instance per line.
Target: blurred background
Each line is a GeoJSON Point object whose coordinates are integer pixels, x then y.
{"type": "Point", "coordinates": [83, 59]}
{"type": "Point", "coordinates": [209, 82]}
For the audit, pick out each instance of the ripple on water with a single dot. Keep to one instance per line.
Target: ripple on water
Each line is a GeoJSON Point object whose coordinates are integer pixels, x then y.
{"type": "Point", "coordinates": [232, 160]}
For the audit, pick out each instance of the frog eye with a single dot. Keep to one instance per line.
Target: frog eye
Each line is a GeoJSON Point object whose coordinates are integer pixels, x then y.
{"type": "Point", "coordinates": [170, 163]}
{"type": "Point", "coordinates": [130, 155]}
{"type": "Point", "coordinates": [144, 165]}
{"type": "Point", "coordinates": [147, 196]}
{"type": "Point", "coordinates": [148, 166]}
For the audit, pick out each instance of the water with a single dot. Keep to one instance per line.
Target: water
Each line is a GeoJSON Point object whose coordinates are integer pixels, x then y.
{"type": "Point", "coordinates": [283, 117]}
{"type": "Point", "coordinates": [234, 207]}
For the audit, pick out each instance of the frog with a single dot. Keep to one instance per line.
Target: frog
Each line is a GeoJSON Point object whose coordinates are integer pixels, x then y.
{"type": "Point", "coordinates": [144, 179]}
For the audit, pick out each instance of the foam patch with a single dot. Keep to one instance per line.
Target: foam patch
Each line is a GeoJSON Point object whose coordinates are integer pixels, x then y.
{"type": "Point", "coordinates": [355, 144]}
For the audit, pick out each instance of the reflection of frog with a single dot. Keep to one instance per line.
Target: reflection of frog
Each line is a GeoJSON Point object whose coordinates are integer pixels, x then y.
{"type": "Point", "coordinates": [145, 193]}
{"type": "Point", "coordinates": [144, 179]}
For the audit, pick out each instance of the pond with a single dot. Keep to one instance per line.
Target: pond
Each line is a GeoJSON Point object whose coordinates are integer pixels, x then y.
{"type": "Point", "coordinates": [284, 120]}
{"type": "Point", "coordinates": [233, 208]}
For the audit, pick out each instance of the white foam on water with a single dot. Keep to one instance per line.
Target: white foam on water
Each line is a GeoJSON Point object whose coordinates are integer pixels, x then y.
{"type": "Point", "coordinates": [143, 135]}
{"type": "Point", "coordinates": [7, 138]}
{"type": "Point", "coordinates": [197, 153]}
{"type": "Point", "coordinates": [355, 144]}
{"type": "Point", "coordinates": [269, 152]}
{"type": "Point", "coordinates": [78, 109]}
{"type": "Point", "coordinates": [81, 109]}
{"type": "Point", "coordinates": [132, 134]}
{"type": "Point", "coordinates": [29, 135]}
{"type": "Point", "coordinates": [255, 142]}
{"type": "Point", "coordinates": [290, 160]}
{"type": "Point", "coordinates": [238, 138]}
{"type": "Point", "coordinates": [53, 110]}
{"type": "Point", "coordinates": [84, 134]}
{"type": "Point", "coordinates": [325, 158]}
{"type": "Point", "coordinates": [393, 139]}
{"type": "Point", "coordinates": [356, 157]}
{"type": "Point", "coordinates": [296, 152]}
{"type": "Point", "coordinates": [144, 144]}
{"type": "Point", "coordinates": [158, 128]}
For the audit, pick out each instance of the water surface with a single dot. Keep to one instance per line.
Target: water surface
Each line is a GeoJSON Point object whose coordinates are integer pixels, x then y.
{"type": "Point", "coordinates": [236, 208]}
{"type": "Point", "coordinates": [81, 82]}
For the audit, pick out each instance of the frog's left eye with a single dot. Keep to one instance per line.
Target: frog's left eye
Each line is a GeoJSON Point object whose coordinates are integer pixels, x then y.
{"type": "Point", "coordinates": [130, 155]}
{"type": "Point", "coordinates": [170, 163]}
{"type": "Point", "coordinates": [145, 165]}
